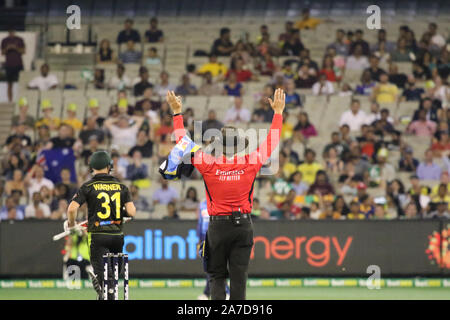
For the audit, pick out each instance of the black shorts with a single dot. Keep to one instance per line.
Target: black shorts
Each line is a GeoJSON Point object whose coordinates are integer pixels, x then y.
{"type": "Point", "coordinates": [12, 73]}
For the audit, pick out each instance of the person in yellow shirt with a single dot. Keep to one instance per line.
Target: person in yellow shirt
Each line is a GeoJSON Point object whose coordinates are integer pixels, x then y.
{"type": "Point", "coordinates": [385, 92]}
{"type": "Point", "coordinates": [444, 180]}
{"type": "Point", "coordinates": [442, 195]}
{"type": "Point", "coordinates": [214, 67]}
{"type": "Point", "coordinates": [287, 167]}
{"type": "Point", "coordinates": [354, 213]}
{"type": "Point", "coordinates": [307, 22]}
{"type": "Point", "coordinates": [310, 167]}
{"type": "Point", "coordinates": [72, 119]}
{"type": "Point", "coordinates": [47, 119]}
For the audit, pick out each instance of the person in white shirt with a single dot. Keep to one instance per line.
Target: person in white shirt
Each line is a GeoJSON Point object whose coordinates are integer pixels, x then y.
{"type": "Point", "coordinates": [357, 61]}
{"type": "Point", "coordinates": [237, 113]}
{"type": "Point", "coordinates": [124, 135]}
{"type": "Point", "coordinates": [120, 81]}
{"type": "Point", "coordinates": [436, 38]}
{"type": "Point", "coordinates": [35, 180]}
{"type": "Point", "coordinates": [164, 86]}
{"type": "Point", "coordinates": [323, 87]}
{"type": "Point", "coordinates": [354, 117]}
{"type": "Point", "coordinates": [37, 209]}
{"type": "Point", "coordinates": [45, 81]}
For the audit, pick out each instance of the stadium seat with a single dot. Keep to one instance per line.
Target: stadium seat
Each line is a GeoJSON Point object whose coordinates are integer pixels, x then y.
{"type": "Point", "coordinates": [198, 104]}
{"type": "Point", "coordinates": [78, 97]}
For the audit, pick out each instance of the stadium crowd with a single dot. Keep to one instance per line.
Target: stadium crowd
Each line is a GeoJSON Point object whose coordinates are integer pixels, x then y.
{"type": "Point", "coordinates": [334, 183]}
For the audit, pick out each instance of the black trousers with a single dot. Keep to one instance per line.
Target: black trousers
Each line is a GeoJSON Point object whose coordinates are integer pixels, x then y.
{"type": "Point", "coordinates": [228, 254]}
{"type": "Point", "coordinates": [100, 244]}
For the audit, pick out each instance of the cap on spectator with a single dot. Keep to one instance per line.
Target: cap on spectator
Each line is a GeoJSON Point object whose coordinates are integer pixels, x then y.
{"type": "Point", "coordinates": [361, 186]}
{"type": "Point", "coordinates": [46, 104]}
{"type": "Point", "coordinates": [383, 152]}
{"type": "Point", "coordinates": [123, 103]}
{"type": "Point", "coordinates": [23, 102]}
{"type": "Point", "coordinates": [93, 103]}
{"type": "Point", "coordinates": [72, 107]}
{"type": "Point", "coordinates": [409, 150]}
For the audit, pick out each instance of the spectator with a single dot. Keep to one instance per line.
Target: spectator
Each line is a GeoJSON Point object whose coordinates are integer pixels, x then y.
{"type": "Point", "coordinates": [339, 44]}
{"type": "Point", "coordinates": [119, 169]}
{"type": "Point", "coordinates": [190, 203]}
{"type": "Point", "coordinates": [340, 208]}
{"type": "Point", "coordinates": [153, 34]}
{"type": "Point", "coordinates": [385, 92]}
{"type": "Point", "coordinates": [304, 126]}
{"type": "Point", "coordinates": [333, 164]}
{"type": "Point", "coordinates": [120, 81]}
{"type": "Point", "coordinates": [430, 109]}
{"type": "Point", "coordinates": [310, 167]}
{"type": "Point", "coordinates": [71, 119]}
{"type": "Point", "coordinates": [143, 84]}
{"type": "Point", "coordinates": [237, 113]}
{"type": "Point", "coordinates": [147, 103]}
{"type": "Point", "coordinates": [266, 65]}
{"type": "Point", "coordinates": [233, 87]}
{"type": "Point", "coordinates": [91, 130]}
{"type": "Point", "coordinates": [355, 213]}
{"type": "Point", "coordinates": [242, 75]}
{"type": "Point", "coordinates": [35, 180]}
{"type": "Point", "coordinates": [359, 41]}
{"type": "Point", "coordinates": [123, 133]}
{"type": "Point", "coordinates": [283, 37]}
{"type": "Point", "coordinates": [139, 201]}
{"type": "Point", "coordinates": [214, 67]}
{"type": "Point", "coordinates": [323, 86]}
{"type": "Point", "coordinates": [346, 90]}
{"type": "Point", "coordinates": [401, 53]}
{"type": "Point", "coordinates": [11, 210]}
{"type": "Point", "coordinates": [297, 184]}
{"type": "Point", "coordinates": [223, 45]}
{"type": "Point", "coordinates": [186, 88]}
{"type": "Point", "coordinates": [441, 146]}
{"type": "Point", "coordinates": [47, 118]}
{"type": "Point", "coordinates": [94, 107]}
{"type": "Point", "coordinates": [211, 122]}
{"type": "Point", "coordinates": [16, 184]}
{"type": "Point", "coordinates": [137, 171]}
{"type": "Point", "coordinates": [172, 213]}
{"type": "Point", "coordinates": [292, 99]}
{"type": "Point", "coordinates": [128, 34]}
{"type": "Point", "coordinates": [407, 162]}
{"type": "Point", "coordinates": [130, 55]}
{"type": "Point", "coordinates": [152, 58]}
{"type": "Point", "coordinates": [99, 79]}
{"type": "Point", "coordinates": [64, 139]}
{"type": "Point", "coordinates": [164, 86]}
{"type": "Point", "coordinates": [321, 185]}
{"type": "Point", "coordinates": [367, 84]}
{"type": "Point", "coordinates": [374, 69]}
{"type": "Point", "coordinates": [13, 47]}
{"type": "Point", "coordinates": [428, 170]}
{"type": "Point", "coordinates": [357, 60]}
{"type": "Point", "coordinates": [37, 209]}
{"type": "Point", "coordinates": [305, 58]}
{"type": "Point", "coordinates": [23, 116]}
{"type": "Point", "coordinates": [336, 143]}
{"type": "Point", "coordinates": [59, 213]}
{"type": "Point", "coordinates": [412, 92]}
{"type": "Point", "coordinates": [306, 77]}
{"type": "Point", "coordinates": [354, 117]}
{"type": "Point", "coordinates": [436, 38]}
{"type": "Point", "coordinates": [45, 81]}
{"type": "Point", "coordinates": [440, 91]}
{"type": "Point", "coordinates": [209, 87]}
{"type": "Point", "coordinates": [328, 69]}
{"type": "Point", "coordinates": [92, 146]}
{"type": "Point", "coordinates": [307, 22]}
{"type": "Point", "coordinates": [293, 46]}
{"type": "Point", "coordinates": [410, 211]}
{"type": "Point", "coordinates": [441, 212]}
{"type": "Point", "coordinates": [165, 194]}
{"type": "Point", "coordinates": [105, 53]}
{"type": "Point", "coordinates": [19, 137]}
{"type": "Point", "coordinates": [382, 41]}
{"type": "Point", "coordinates": [422, 127]}
{"type": "Point", "coordinates": [443, 64]}
{"type": "Point", "coordinates": [144, 145]}
{"type": "Point", "coordinates": [382, 172]}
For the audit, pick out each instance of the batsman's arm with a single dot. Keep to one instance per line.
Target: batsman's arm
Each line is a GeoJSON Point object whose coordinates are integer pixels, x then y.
{"type": "Point", "coordinates": [72, 213]}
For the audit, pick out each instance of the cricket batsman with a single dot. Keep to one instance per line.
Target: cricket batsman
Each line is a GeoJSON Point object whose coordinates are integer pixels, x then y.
{"type": "Point", "coordinates": [108, 202]}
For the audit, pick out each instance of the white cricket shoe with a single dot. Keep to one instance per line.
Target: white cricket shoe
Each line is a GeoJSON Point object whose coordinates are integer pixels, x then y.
{"type": "Point", "coordinates": [202, 297]}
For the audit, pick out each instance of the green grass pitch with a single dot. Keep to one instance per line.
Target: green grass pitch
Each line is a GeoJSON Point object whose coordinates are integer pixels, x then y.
{"type": "Point", "coordinates": [252, 293]}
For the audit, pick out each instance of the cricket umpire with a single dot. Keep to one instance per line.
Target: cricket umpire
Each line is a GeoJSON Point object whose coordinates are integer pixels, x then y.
{"type": "Point", "coordinates": [229, 177]}
{"type": "Point", "coordinates": [108, 202]}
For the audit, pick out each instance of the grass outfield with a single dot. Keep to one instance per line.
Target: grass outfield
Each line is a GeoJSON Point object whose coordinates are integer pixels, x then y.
{"type": "Point", "coordinates": [252, 293]}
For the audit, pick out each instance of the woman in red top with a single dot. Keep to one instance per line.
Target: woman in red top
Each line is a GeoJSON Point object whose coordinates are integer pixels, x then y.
{"type": "Point", "coordinates": [328, 68]}
{"type": "Point", "coordinates": [229, 180]}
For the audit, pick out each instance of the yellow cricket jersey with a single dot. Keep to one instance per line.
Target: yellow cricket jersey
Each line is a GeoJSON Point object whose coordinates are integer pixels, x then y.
{"type": "Point", "coordinates": [215, 69]}
{"type": "Point", "coordinates": [47, 122]}
{"type": "Point", "coordinates": [309, 171]}
{"type": "Point", "coordinates": [387, 93]}
{"type": "Point", "coordinates": [74, 123]}
{"type": "Point", "coordinates": [310, 23]}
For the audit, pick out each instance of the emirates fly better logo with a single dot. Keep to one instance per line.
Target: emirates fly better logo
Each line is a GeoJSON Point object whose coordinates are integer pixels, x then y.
{"type": "Point", "coordinates": [437, 250]}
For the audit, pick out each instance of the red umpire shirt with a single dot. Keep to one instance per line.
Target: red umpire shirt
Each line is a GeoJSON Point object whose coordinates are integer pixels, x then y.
{"type": "Point", "coordinates": [229, 181]}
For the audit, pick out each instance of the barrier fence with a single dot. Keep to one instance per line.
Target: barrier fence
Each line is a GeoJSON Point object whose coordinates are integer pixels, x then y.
{"type": "Point", "coordinates": [159, 248]}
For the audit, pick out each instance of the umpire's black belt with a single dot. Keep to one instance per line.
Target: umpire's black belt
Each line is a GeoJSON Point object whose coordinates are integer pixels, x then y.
{"type": "Point", "coordinates": [228, 217]}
